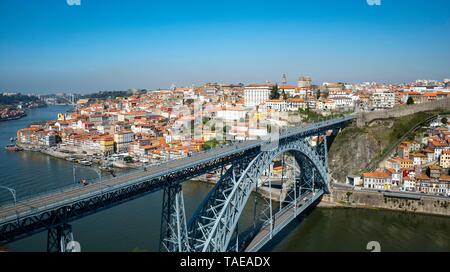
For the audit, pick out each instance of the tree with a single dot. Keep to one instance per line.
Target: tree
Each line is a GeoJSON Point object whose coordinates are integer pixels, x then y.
{"type": "Point", "coordinates": [210, 144]}
{"type": "Point", "coordinates": [444, 121]}
{"type": "Point", "coordinates": [410, 101]}
{"type": "Point", "coordinates": [275, 92]}
{"type": "Point", "coordinates": [284, 95]}
{"type": "Point", "coordinates": [128, 159]}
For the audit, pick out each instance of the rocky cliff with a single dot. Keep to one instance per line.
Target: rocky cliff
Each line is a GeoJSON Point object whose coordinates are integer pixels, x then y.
{"type": "Point", "coordinates": [355, 148]}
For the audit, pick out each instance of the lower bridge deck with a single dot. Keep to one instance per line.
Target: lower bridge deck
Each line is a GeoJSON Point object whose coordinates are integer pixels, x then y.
{"type": "Point", "coordinates": [282, 219]}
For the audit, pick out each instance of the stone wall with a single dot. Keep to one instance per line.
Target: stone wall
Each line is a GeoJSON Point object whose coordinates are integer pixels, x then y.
{"type": "Point", "coordinates": [363, 199]}
{"type": "Point", "coordinates": [403, 110]}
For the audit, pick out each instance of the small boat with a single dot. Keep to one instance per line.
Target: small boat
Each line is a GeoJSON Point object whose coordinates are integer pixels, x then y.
{"type": "Point", "coordinates": [13, 148]}
{"type": "Point", "coordinates": [86, 163]}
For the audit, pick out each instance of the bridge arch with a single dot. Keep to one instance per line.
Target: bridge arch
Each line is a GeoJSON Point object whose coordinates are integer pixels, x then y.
{"type": "Point", "coordinates": [222, 211]}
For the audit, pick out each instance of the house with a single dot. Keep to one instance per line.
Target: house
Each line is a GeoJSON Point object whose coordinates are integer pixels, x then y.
{"type": "Point", "coordinates": [409, 184]}
{"type": "Point", "coordinates": [434, 171]}
{"type": "Point", "coordinates": [380, 179]}
{"type": "Point", "coordinates": [423, 183]}
{"type": "Point", "coordinates": [430, 155]}
{"type": "Point", "coordinates": [444, 185]}
{"type": "Point", "coordinates": [444, 159]}
{"type": "Point", "coordinates": [418, 158]}
{"type": "Point", "coordinates": [396, 176]}
{"type": "Point", "coordinates": [403, 151]}
{"type": "Point", "coordinates": [404, 163]}
{"type": "Point", "coordinates": [122, 139]}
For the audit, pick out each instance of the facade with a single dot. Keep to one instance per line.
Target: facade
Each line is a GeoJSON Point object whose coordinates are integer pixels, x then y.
{"type": "Point", "coordinates": [257, 94]}
{"type": "Point", "coordinates": [380, 179]}
{"type": "Point", "coordinates": [383, 100]}
{"type": "Point", "coordinates": [121, 141]}
{"type": "Point", "coordinates": [444, 160]}
{"type": "Point", "coordinates": [290, 104]}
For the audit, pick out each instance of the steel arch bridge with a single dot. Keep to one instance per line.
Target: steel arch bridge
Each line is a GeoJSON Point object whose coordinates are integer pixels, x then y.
{"type": "Point", "coordinates": [214, 225]}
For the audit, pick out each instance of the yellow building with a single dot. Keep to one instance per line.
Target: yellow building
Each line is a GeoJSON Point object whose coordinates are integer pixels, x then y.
{"type": "Point", "coordinates": [406, 163]}
{"type": "Point", "coordinates": [61, 117]}
{"type": "Point", "coordinates": [107, 145]}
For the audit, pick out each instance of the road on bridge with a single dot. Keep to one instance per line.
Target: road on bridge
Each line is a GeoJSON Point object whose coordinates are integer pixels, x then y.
{"type": "Point", "coordinates": [60, 197]}
{"type": "Point", "coordinates": [281, 217]}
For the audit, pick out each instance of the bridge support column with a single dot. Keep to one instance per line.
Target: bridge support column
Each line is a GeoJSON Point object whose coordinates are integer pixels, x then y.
{"type": "Point", "coordinates": [174, 236]}
{"type": "Point", "coordinates": [58, 237]}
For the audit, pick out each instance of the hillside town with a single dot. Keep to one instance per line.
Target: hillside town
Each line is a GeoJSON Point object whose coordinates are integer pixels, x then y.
{"type": "Point", "coordinates": [421, 165]}
{"type": "Point", "coordinates": [150, 127]}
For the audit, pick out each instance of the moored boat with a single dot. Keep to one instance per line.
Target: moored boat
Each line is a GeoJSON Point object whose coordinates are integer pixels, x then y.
{"type": "Point", "coordinates": [13, 148]}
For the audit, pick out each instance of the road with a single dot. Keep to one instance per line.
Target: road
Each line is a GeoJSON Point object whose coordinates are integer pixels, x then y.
{"type": "Point", "coordinates": [281, 219]}
{"type": "Point", "coordinates": [61, 197]}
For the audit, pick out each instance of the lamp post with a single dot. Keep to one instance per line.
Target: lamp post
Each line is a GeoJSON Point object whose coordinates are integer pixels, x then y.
{"type": "Point", "coordinates": [99, 173]}
{"type": "Point", "coordinates": [12, 191]}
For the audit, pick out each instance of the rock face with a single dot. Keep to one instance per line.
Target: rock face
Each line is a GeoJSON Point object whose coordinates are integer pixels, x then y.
{"type": "Point", "coordinates": [352, 151]}
{"type": "Point", "coordinates": [355, 148]}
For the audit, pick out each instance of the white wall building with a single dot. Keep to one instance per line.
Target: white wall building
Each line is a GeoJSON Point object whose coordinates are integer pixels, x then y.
{"type": "Point", "coordinates": [256, 94]}
{"type": "Point", "coordinates": [383, 100]}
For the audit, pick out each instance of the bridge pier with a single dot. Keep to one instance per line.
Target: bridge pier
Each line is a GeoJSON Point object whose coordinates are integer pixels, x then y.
{"type": "Point", "coordinates": [58, 237]}
{"type": "Point", "coordinates": [174, 236]}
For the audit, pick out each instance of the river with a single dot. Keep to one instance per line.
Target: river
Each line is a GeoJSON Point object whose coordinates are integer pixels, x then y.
{"type": "Point", "coordinates": [135, 225]}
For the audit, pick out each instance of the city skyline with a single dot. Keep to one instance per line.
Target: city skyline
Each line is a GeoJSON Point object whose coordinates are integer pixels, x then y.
{"type": "Point", "coordinates": [105, 45]}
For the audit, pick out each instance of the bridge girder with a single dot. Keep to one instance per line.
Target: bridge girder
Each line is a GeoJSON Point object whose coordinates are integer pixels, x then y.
{"type": "Point", "coordinates": [221, 212]}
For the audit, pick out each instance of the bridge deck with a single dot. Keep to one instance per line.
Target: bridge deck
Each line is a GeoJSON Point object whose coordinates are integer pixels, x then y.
{"type": "Point", "coordinates": [282, 218]}
{"type": "Point", "coordinates": [10, 211]}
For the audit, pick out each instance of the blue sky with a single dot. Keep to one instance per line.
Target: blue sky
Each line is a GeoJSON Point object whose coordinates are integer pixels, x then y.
{"type": "Point", "coordinates": [49, 46]}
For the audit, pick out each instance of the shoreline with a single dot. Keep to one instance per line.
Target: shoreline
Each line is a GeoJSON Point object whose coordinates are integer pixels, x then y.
{"type": "Point", "coordinates": [13, 118]}
{"type": "Point", "coordinates": [326, 202]}
{"type": "Point", "coordinates": [326, 205]}
{"type": "Point", "coordinates": [425, 205]}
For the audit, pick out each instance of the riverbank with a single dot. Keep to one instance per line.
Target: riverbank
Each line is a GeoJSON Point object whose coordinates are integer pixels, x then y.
{"type": "Point", "coordinates": [15, 117]}
{"type": "Point", "coordinates": [420, 204]}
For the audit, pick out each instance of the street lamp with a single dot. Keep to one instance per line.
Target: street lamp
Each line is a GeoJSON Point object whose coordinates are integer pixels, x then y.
{"type": "Point", "coordinates": [12, 191]}
{"type": "Point", "coordinates": [99, 173]}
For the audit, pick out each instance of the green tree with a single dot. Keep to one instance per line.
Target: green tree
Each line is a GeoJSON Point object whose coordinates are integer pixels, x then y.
{"type": "Point", "coordinates": [444, 121]}
{"type": "Point", "coordinates": [128, 159]}
{"type": "Point", "coordinates": [410, 101]}
{"type": "Point", "coordinates": [284, 95]}
{"type": "Point", "coordinates": [275, 92]}
{"type": "Point", "coordinates": [210, 144]}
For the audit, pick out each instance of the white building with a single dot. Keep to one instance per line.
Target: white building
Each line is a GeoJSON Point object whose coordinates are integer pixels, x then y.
{"type": "Point", "coordinates": [231, 113]}
{"type": "Point", "coordinates": [409, 184]}
{"type": "Point", "coordinates": [291, 104]}
{"type": "Point", "coordinates": [377, 180]}
{"type": "Point", "coordinates": [383, 100]}
{"type": "Point", "coordinates": [256, 94]}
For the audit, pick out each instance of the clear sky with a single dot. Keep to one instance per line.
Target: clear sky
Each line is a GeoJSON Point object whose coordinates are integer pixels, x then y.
{"type": "Point", "coordinates": [49, 46]}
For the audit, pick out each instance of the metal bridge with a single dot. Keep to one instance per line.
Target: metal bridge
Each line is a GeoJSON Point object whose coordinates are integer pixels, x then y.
{"type": "Point", "coordinates": [213, 227]}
